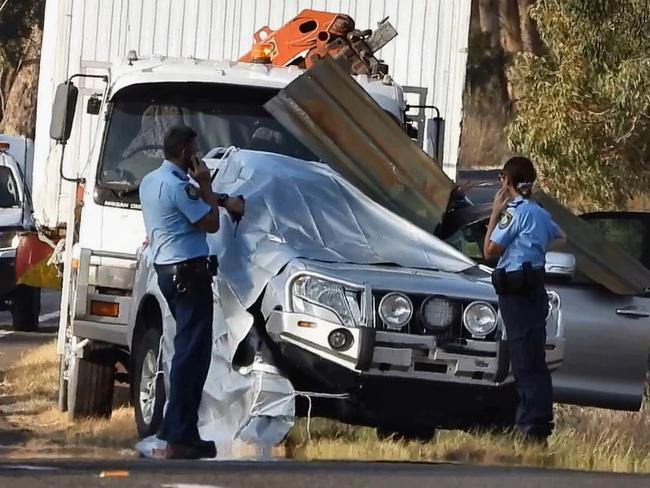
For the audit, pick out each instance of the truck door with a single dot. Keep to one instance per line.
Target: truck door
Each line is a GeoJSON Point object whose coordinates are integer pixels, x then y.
{"type": "Point", "coordinates": [429, 133]}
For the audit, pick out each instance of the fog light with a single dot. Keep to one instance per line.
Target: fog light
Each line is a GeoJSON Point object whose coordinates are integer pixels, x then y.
{"type": "Point", "coordinates": [340, 339]}
{"type": "Point", "coordinates": [438, 314]}
{"type": "Point", "coordinates": [480, 319]}
{"type": "Point", "coordinates": [395, 309]}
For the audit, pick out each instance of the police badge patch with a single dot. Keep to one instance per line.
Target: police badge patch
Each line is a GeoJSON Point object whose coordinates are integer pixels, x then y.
{"type": "Point", "coordinates": [192, 192]}
{"type": "Point", "coordinates": [506, 218]}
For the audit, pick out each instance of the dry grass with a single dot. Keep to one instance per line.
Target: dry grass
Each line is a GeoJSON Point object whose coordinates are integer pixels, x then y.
{"type": "Point", "coordinates": [585, 438]}
{"type": "Point", "coordinates": [29, 395]}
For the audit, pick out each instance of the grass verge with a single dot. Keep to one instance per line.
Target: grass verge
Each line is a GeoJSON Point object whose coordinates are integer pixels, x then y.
{"type": "Point", "coordinates": [585, 438]}
{"type": "Point", "coordinates": [35, 426]}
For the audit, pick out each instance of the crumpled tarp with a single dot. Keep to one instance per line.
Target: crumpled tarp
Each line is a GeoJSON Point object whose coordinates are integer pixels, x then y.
{"type": "Point", "coordinates": [294, 209]}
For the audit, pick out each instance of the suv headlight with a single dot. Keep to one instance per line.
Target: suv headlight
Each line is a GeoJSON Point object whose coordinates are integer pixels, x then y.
{"type": "Point", "coordinates": [480, 319]}
{"type": "Point", "coordinates": [326, 299]}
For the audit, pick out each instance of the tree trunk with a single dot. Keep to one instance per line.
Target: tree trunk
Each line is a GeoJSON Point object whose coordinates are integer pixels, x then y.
{"type": "Point", "coordinates": [510, 26]}
{"type": "Point", "coordinates": [19, 90]}
{"type": "Point", "coordinates": [7, 77]}
{"type": "Point", "coordinates": [489, 21]}
{"type": "Point", "coordinates": [531, 40]}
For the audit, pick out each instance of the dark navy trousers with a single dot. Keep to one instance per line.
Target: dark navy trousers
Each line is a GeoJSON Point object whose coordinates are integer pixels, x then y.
{"type": "Point", "coordinates": [192, 309]}
{"type": "Point", "coordinates": [524, 317]}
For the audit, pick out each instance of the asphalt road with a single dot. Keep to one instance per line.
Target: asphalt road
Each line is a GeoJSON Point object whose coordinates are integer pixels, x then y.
{"type": "Point", "coordinates": [13, 344]}
{"type": "Point", "coordinates": [277, 474]}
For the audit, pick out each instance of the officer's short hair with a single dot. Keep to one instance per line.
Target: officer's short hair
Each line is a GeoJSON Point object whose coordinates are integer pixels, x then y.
{"type": "Point", "coordinates": [521, 172]}
{"type": "Point", "coordinates": [176, 139]}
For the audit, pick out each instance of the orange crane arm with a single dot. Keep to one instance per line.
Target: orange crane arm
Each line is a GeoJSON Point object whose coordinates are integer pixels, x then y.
{"type": "Point", "coordinates": [312, 35]}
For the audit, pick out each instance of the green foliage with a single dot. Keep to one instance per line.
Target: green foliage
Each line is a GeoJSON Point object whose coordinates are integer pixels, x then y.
{"type": "Point", "coordinates": [584, 108]}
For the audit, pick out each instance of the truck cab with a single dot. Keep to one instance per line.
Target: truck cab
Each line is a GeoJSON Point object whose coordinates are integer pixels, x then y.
{"type": "Point", "coordinates": [22, 301]}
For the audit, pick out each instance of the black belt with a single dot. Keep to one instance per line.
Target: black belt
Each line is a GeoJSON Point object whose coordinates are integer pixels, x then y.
{"type": "Point", "coordinates": [196, 265]}
{"type": "Point", "coordinates": [523, 281]}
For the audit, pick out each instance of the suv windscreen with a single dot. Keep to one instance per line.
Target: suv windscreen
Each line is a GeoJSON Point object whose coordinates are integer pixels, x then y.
{"type": "Point", "coordinates": [222, 115]}
{"type": "Point", "coordinates": [9, 196]}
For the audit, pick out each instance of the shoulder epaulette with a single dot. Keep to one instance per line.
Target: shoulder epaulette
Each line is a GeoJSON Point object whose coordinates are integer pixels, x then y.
{"type": "Point", "coordinates": [180, 176]}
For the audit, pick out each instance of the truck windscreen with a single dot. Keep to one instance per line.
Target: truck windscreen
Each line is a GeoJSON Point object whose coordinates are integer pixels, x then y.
{"type": "Point", "coordinates": [8, 189]}
{"type": "Point", "coordinates": [222, 115]}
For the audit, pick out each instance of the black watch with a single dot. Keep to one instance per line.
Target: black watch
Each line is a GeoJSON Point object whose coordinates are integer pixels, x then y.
{"type": "Point", "coordinates": [221, 198]}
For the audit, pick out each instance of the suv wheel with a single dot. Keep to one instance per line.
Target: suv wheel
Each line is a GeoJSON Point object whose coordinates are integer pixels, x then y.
{"type": "Point", "coordinates": [148, 387]}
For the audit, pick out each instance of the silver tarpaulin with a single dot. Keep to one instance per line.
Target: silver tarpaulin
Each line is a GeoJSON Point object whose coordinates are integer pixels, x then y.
{"type": "Point", "coordinates": [294, 209]}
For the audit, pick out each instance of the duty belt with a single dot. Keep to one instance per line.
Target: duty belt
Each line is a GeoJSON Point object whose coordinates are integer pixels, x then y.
{"type": "Point", "coordinates": [521, 282]}
{"type": "Point", "coordinates": [196, 265]}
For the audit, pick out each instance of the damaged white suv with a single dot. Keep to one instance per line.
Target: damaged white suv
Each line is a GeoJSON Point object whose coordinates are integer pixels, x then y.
{"type": "Point", "coordinates": [324, 294]}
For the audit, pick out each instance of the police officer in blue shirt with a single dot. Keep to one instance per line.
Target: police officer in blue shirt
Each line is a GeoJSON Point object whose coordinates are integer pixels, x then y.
{"type": "Point", "coordinates": [519, 233]}
{"type": "Point", "coordinates": [178, 215]}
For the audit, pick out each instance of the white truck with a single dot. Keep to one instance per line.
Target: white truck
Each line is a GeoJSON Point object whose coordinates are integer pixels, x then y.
{"type": "Point", "coordinates": [23, 301]}
{"type": "Point", "coordinates": [115, 74]}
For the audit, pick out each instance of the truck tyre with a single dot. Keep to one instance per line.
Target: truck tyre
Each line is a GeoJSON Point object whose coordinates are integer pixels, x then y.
{"type": "Point", "coordinates": [147, 387]}
{"type": "Point", "coordinates": [91, 383]}
{"type": "Point", "coordinates": [26, 308]}
{"type": "Point", "coordinates": [63, 386]}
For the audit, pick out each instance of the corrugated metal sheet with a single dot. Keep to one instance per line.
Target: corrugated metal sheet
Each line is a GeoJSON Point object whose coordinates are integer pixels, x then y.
{"type": "Point", "coordinates": [333, 116]}
{"type": "Point", "coordinates": [83, 35]}
{"type": "Point", "coordinates": [600, 260]}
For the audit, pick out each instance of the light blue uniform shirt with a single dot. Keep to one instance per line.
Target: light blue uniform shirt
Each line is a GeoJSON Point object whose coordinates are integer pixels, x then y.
{"type": "Point", "coordinates": [525, 231]}
{"type": "Point", "coordinates": [171, 205]}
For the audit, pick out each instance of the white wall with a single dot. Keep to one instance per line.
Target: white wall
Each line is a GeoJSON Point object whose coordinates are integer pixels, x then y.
{"type": "Point", "coordinates": [85, 36]}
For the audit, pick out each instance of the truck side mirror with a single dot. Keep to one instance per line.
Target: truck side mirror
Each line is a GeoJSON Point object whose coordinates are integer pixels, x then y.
{"type": "Point", "coordinates": [560, 264]}
{"type": "Point", "coordinates": [65, 103]}
{"type": "Point", "coordinates": [94, 105]}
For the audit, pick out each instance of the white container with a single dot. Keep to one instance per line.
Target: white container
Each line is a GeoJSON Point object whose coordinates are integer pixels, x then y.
{"type": "Point", "coordinates": [85, 36]}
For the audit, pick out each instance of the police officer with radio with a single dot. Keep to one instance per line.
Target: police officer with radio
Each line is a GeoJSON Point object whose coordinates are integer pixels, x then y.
{"type": "Point", "coordinates": [519, 233]}
{"type": "Point", "coordinates": [178, 215]}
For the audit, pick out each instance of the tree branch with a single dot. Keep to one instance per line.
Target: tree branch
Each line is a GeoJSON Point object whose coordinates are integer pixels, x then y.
{"type": "Point", "coordinates": [3, 5]}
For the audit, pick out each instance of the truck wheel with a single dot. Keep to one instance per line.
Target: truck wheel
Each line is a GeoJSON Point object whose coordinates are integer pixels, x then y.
{"type": "Point", "coordinates": [148, 387]}
{"type": "Point", "coordinates": [63, 386]}
{"type": "Point", "coordinates": [91, 383]}
{"type": "Point", "coordinates": [26, 308]}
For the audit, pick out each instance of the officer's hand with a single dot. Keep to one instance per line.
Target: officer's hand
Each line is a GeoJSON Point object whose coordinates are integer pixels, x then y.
{"type": "Point", "coordinates": [235, 207]}
{"type": "Point", "coordinates": [199, 171]}
{"type": "Point", "coordinates": [500, 200]}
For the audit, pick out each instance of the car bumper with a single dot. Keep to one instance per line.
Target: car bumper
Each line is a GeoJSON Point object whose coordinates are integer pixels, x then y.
{"type": "Point", "coordinates": [380, 354]}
